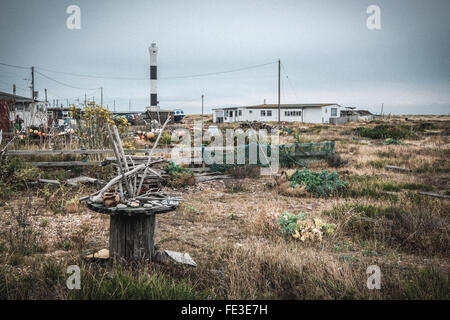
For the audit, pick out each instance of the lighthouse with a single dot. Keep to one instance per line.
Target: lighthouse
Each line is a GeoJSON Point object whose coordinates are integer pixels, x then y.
{"type": "Point", "coordinates": [153, 50]}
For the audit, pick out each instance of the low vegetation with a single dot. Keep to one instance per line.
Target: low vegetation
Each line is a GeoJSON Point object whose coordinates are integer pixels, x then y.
{"type": "Point", "coordinates": [178, 176]}
{"type": "Point", "coordinates": [310, 233]}
{"type": "Point", "coordinates": [318, 183]}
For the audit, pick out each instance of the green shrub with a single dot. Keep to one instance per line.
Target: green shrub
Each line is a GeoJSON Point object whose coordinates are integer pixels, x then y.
{"type": "Point", "coordinates": [384, 131]}
{"type": "Point", "coordinates": [15, 174]}
{"type": "Point", "coordinates": [288, 222]}
{"type": "Point", "coordinates": [178, 176]}
{"type": "Point", "coordinates": [319, 183]}
{"type": "Point", "coordinates": [166, 138]}
{"type": "Point", "coordinates": [172, 168]}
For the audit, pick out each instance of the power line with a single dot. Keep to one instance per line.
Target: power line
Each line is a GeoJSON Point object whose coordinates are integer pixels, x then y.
{"type": "Point", "coordinates": [220, 72]}
{"type": "Point", "coordinates": [64, 84]}
{"type": "Point", "coordinates": [92, 76]}
{"type": "Point", "coordinates": [13, 66]}
{"type": "Point", "coordinates": [142, 79]}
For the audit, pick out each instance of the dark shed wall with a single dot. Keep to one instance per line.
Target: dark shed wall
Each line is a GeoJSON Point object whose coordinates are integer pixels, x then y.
{"type": "Point", "coordinates": [4, 116]}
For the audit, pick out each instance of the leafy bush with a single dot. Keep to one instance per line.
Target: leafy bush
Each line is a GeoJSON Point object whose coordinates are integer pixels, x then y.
{"type": "Point", "coordinates": [172, 168]}
{"type": "Point", "coordinates": [178, 176]}
{"type": "Point", "coordinates": [299, 227]}
{"type": "Point", "coordinates": [288, 222]}
{"type": "Point", "coordinates": [166, 138]}
{"type": "Point", "coordinates": [319, 183]}
{"type": "Point", "coordinates": [15, 175]}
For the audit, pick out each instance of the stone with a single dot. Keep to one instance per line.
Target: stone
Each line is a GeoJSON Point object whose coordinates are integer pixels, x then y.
{"type": "Point", "coordinates": [134, 204]}
{"type": "Point", "coordinates": [166, 256]}
{"type": "Point", "coordinates": [121, 206]}
{"type": "Point", "coordinates": [102, 254]}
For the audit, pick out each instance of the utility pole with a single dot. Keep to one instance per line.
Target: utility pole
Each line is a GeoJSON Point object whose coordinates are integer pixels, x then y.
{"type": "Point", "coordinates": [32, 92]}
{"type": "Point", "coordinates": [382, 105]}
{"type": "Point", "coordinates": [129, 105]}
{"type": "Point", "coordinates": [101, 97]}
{"type": "Point", "coordinates": [32, 84]}
{"type": "Point", "coordinates": [85, 101]}
{"type": "Point", "coordinates": [45, 90]}
{"type": "Point", "coordinates": [14, 91]}
{"type": "Point", "coordinates": [279, 87]}
{"type": "Point", "coordinates": [114, 106]}
{"type": "Point", "coordinates": [202, 118]}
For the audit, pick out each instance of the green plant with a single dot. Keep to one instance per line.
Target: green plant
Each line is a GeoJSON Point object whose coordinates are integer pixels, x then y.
{"type": "Point", "coordinates": [172, 168]}
{"type": "Point", "coordinates": [288, 222]}
{"type": "Point", "coordinates": [385, 131]}
{"type": "Point", "coordinates": [319, 183]}
{"type": "Point", "coordinates": [166, 138]}
{"type": "Point", "coordinates": [178, 176]}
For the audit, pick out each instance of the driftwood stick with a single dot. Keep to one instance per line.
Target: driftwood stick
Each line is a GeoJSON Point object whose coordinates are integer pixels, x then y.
{"type": "Point", "coordinates": [150, 155]}
{"type": "Point", "coordinates": [116, 153]}
{"type": "Point", "coordinates": [135, 176]}
{"type": "Point", "coordinates": [124, 159]}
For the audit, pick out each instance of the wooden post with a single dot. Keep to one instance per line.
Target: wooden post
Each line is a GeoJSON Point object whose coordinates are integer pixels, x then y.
{"type": "Point", "coordinates": [132, 237]}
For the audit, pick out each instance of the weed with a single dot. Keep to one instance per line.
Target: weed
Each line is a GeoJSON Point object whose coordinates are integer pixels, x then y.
{"type": "Point", "coordinates": [385, 131]}
{"type": "Point", "coordinates": [22, 236]}
{"type": "Point", "coordinates": [318, 183]}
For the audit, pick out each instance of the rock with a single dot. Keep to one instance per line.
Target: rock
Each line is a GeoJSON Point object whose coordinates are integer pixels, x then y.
{"type": "Point", "coordinates": [166, 256]}
{"type": "Point", "coordinates": [102, 254]}
{"type": "Point", "coordinates": [121, 206]}
{"type": "Point", "coordinates": [147, 205]}
{"type": "Point", "coordinates": [134, 204]}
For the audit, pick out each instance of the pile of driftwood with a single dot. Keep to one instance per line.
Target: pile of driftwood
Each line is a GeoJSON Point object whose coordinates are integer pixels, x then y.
{"type": "Point", "coordinates": [137, 180]}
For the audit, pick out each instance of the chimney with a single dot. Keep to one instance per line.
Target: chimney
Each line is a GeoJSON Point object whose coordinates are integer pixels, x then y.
{"type": "Point", "coordinates": [153, 50]}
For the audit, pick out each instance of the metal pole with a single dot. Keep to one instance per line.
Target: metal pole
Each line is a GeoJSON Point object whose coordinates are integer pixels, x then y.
{"type": "Point", "coordinates": [279, 86]}
{"type": "Point", "coordinates": [202, 117]}
{"type": "Point", "coordinates": [101, 98]}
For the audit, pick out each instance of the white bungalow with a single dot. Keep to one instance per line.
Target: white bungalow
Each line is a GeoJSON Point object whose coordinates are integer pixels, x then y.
{"type": "Point", "coordinates": [32, 113]}
{"type": "Point", "coordinates": [309, 113]}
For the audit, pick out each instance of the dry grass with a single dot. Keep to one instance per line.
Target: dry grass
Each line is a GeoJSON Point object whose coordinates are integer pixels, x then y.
{"type": "Point", "coordinates": [231, 230]}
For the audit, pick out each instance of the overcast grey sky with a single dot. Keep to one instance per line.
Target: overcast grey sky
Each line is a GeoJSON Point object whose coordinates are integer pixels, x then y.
{"type": "Point", "coordinates": [325, 47]}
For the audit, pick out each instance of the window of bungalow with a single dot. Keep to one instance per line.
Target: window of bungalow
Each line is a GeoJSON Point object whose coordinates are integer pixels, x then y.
{"type": "Point", "coordinates": [333, 112]}
{"type": "Point", "coordinates": [263, 113]}
{"type": "Point", "coordinates": [269, 113]}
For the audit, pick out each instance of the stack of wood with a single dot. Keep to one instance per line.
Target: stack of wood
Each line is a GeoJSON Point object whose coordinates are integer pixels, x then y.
{"type": "Point", "coordinates": [136, 176]}
{"type": "Point", "coordinates": [150, 180]}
